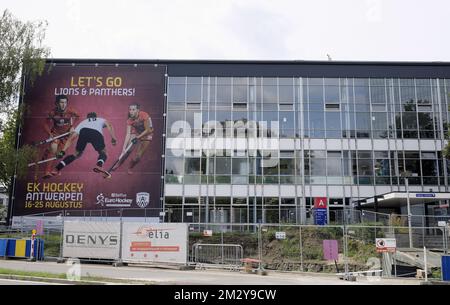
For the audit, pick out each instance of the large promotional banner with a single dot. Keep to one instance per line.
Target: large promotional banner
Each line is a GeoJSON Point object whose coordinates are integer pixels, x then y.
{"type": "Point", "coordinates": [98, 130]}
{"type": "Point", "coordinates": [143, 242]}
{"type": "Point", "coordinates": [87, 239]}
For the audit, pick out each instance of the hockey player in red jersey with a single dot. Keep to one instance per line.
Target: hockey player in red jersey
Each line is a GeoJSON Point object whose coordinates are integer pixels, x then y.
{"type": "Point", "coordinates": [139, 132]}
{"type": "Point", "coordinates": [60, 120]}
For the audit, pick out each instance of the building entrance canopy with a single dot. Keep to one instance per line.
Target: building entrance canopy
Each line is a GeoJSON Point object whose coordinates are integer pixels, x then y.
{"type": "Point", "coordinates": [399, 199]}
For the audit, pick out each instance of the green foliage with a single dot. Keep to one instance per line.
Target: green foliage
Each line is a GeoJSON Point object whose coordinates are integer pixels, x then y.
{"type": "Point", "coordinates": [21, 54]}
{"type": "Point", "coordinates": [436, 273]}
{"type": "Point", "coordinates": [3, 211]}
{"type": "Point", "coordinates": [11, 158]}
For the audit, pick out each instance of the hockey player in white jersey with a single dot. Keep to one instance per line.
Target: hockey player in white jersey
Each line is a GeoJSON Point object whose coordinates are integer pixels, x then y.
{"type": "Point", "coordinates": [88, 131]}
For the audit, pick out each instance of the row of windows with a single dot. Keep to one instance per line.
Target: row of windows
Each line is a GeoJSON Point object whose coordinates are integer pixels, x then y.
{"type": "Point", "coordinates": [313, 124]}
{"type": "Point", "coordinates": [318, 167]}
{"type": "Point", "coordinates": [213, 90]}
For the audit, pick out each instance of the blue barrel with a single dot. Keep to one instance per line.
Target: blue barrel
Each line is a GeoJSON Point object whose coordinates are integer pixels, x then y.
{"type": "Point", "coordinates": [446, 268]}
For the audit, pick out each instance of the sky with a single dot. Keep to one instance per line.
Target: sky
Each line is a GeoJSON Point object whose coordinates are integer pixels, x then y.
{"type": "Point", "coordinates": [356, 30]}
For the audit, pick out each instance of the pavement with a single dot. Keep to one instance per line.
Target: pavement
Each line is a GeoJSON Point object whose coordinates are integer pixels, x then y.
{"type": "Point", "coordinates": [164, 276]}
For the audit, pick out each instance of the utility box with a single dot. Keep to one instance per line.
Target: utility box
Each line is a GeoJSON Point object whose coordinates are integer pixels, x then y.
{"type": "Point", "coordinates": [446, 268]}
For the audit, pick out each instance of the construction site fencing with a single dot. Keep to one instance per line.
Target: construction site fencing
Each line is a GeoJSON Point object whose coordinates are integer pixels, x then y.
{"type": "Point", "coordinates": [285, 247]}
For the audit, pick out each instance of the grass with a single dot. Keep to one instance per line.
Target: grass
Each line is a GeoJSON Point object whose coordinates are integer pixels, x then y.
{"type": "Point", "coordinates": [83, 279]}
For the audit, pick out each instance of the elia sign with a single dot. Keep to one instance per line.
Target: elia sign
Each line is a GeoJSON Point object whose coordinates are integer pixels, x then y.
{"type": "Point", "coordinates": [386, 244]}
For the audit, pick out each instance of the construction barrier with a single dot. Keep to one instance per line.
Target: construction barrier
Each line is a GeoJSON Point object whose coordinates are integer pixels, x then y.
{"type": "Point", "coordinates": [446, 268]}
{"type": "Point", "coordinates": [3, 243]}
{"type": "Point", "coordinates": [21, 248]}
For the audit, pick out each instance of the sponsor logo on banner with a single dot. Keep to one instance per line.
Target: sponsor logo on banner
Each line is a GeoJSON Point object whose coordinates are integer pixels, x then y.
{"type": "Point", "coordinates": [386, 244]}
{"type": "Point", "coordinates": [91, 239]}
{"type": "Point", "coordinates": [114, 200]}
{"type": "Point", "coordinates": [155, 242]}
{"type": "Point", "coordinates": [87, 239]}
{"type": "Point", "coordinates": [142, 199]}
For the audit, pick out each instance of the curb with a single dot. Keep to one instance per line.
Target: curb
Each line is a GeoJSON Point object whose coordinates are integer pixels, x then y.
{"type": "Point", "coordinates": [49, 280]}
{"type": "Point", "coordinates": [431, 283]}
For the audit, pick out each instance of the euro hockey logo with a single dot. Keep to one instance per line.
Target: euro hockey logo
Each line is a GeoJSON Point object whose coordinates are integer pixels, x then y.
{"type": "Point", "coordinates": [101, 199]}
{"type": "Point", "coordinates": [142, 199]}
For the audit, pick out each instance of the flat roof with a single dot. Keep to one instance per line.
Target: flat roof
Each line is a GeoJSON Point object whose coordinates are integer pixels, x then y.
{"type": "Point", "coordinates": [282, 68]}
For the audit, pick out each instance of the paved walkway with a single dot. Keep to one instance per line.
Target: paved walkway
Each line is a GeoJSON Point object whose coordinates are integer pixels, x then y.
{"type": "Point", "coordinates": [198, 277]}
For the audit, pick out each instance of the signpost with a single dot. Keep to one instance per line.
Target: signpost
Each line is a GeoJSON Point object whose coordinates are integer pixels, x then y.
{"type": "Point", "coordinates": [207, 233]}
{"type": "Point", "coordinates": [33, 238]}
{"type": "Point", "coordinates": [280, 235]}
{"type": "Point", "coordinates": [320, 211]}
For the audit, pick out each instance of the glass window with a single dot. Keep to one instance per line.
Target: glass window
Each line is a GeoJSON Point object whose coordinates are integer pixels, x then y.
{"type": "Point", "coordinates": [379, 121]}
{"type": "Point", "coordinates": [315, 81]}
{"type": "Point", "coordinates": [318, 167]}
{"type": "Point", "coordinates": [316, 120]}
{"type": "Point", "coordinates": [331, 81]}
{"type": "Point", "coordinates": [286, 94]}
{"type": "Point", "coordinates": [361, 95]}
{"type": "Point", "coordinates": [382, 167]}
{"type": "Point", "coordinates": [413, 165]}
{"type": "Point", "coordinates": [429, 168]}
{"type": "Point", "coordinates": [334, 167]}
{"type": "Point", "coordinates": [270, 166]}
{"type": "Point", "coordinates": [192, 166]}
{"type": "Point", "coordinates": [176, 93]}
{"type": "Point", "coordinates": [174, 166]}
{"type": "Point", "coordinates": [270, 94]}
{"type": "Point", "coordinates": [240, 166]}
{"type": "Point", "coordinates": [332, 94]}
{"type": "Point", "coordinates": [378, 95]}
{"type": "Point", "coordinates": [316, 94]}
{"type": "Point", "coordinates": [428, 155]}
{"type": "Point", "coordinates": [178, 80]}
{"type": "Point", "coordinates": [223, 95]}
{"type": "Point", "coordinates": [175, 123]}
{"type": "Point", "coordinates": [194, 93]}
{"type": "Point", "coordinates": [240, 94]}
{"type": "Point", "coordinates": [362, 121]}
{"type": "Point", "coordinates": [288, 201]}
{"type": "Point", "coordinates": [223, 166]}
{"type": "Point", "coordinates": [365, 167]}
{"type": "Point", "coordinates": [333, 120]}
{"type": "Point", "coordinates": [364, 154]}
{"type": "Point", "coordinates": [287, 166]}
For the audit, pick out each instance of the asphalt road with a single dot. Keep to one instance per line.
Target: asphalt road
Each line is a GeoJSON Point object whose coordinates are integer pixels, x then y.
{"type": "Point", "coordinates": [198, 277]}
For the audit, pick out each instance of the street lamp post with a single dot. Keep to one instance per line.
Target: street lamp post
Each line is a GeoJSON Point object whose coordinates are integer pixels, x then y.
{"type": "Point", "coordinates": [406, 175]}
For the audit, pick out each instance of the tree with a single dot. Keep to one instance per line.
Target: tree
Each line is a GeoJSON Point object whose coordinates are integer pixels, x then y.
{"type": "Point", "coordinates": [21, 54]}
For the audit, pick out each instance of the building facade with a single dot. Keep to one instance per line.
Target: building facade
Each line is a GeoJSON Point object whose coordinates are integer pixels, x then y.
{"type": "Point", "coordinates": [258, 141]}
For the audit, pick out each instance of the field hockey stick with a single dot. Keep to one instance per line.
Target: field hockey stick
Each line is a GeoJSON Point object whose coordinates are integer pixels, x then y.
{"type": "Point", "coordinates": [122, 157]}
{"type": "Point", "coordinates": [42, 161]}
{"type": "Point", "coordinates": [50, 139]}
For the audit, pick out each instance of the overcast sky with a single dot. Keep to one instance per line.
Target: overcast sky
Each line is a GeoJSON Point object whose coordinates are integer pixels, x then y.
{"type": "Point", "coordinates": [404, 30]}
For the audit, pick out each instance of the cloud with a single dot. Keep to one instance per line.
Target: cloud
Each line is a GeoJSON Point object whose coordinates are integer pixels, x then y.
{"type": "Point", "coordinates": [238, 29]}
